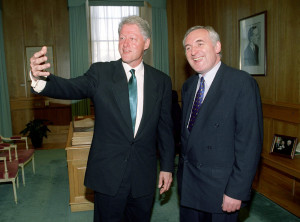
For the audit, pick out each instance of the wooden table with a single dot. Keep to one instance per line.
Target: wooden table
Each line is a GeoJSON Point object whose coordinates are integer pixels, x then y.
{"type": "Point", "coordinates": [81, 198]}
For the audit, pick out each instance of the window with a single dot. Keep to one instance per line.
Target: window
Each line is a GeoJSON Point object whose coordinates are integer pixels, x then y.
{"type": "Point", "coordinates": [104, 30]}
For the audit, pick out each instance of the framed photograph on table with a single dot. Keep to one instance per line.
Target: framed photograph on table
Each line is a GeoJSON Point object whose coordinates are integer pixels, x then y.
{"type": "Point", "coordinates": [253, 44]}
{"type": "Point", "coordinates": [284, 146]}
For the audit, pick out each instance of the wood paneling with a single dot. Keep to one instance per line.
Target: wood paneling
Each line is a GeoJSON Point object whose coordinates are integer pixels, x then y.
{"type": "Point", "coordinates": [268, 133]}
{"type": "Point", "coordinates": [280, 87]}
{"type": "Point", "coordinates": [35, 23]}
{"type": "Point", "coordinates": [278, 179]}
{"type": "Point", "coordinates": [13, 32]}
{"type": "Point", "coordinates": [38, 22]}
{"type": "Point", "coordinates": [24, 109]}
{"type": "Point", "coordinates": [177, 26]}
{"type": "Point", "coordinates": [281, 83]}
{"type": "Point", "coordinates": [288, 68]}
{"type": "Point", "coordinates": [61, 34]}
{"type": "Point", "coordinates": [282, 112]}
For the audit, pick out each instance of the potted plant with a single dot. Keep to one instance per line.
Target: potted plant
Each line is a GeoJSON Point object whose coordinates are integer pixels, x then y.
{"type": "Point", "coordinates": [36, 130]}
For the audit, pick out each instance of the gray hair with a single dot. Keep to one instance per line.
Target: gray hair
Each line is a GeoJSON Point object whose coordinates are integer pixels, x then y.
{"type": "Point", "coordinates": [214, 36]}
{"type": "Point", "coordinates": [141, 23]}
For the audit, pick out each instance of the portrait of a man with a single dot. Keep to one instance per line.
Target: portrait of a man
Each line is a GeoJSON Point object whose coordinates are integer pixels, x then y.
{"type": "Point", "coordinates": [251, 53]}
{"type": "Point", "coordinates": [253, 48]}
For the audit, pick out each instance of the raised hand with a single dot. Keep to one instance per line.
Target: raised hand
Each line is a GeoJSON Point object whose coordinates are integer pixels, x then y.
{"type": "Point", "coordinates": [38, 63]}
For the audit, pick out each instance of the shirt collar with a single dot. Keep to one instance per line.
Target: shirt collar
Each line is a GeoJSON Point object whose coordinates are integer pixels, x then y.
{"type": "Point", "coordinates": [210, 75]}
{"type": "Point", "coordinates": [137, 69]}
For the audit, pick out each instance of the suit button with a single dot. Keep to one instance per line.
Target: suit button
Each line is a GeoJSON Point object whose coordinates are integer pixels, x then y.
{"type": "Point", "coordinates": [131, 143]}
{"type": "Point", "coordinates": [216, 125]}
{"type": "Point", "coordinates": [199, 165]}
{"type": "Point", "coordinates": [125, 160]}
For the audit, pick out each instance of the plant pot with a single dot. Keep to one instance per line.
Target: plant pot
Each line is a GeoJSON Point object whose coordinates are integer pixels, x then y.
{"type": "Point", "coordinates": [37, 142]}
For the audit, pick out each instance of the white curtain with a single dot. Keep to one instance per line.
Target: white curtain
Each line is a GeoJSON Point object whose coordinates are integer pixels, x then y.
{"type": "Point", "coordinates": [104, 30]}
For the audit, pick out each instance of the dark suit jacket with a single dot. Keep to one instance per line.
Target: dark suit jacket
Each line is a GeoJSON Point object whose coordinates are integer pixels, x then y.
{"type": "Point", "coordinates": [220, 155]}
{"type": "Point", "coordinates": [114, 147]}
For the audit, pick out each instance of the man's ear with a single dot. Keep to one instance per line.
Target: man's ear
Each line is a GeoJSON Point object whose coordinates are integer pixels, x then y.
{"type": "Point", "coordinates": [218, 47]}
{"type": "Point", "coordinates": [147, 44]}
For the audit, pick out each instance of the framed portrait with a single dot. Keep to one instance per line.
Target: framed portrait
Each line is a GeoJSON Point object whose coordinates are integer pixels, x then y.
{"type": "Point", "coordinates": [253, 44]}
{"type": "Point", "coordinates": [284, 146]}
{"type": "Point", "coordinates": [33, 49]}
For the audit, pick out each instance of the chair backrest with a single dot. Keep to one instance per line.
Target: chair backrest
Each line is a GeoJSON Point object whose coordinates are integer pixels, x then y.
{"type": "Point", "coordinates": [13, 139]}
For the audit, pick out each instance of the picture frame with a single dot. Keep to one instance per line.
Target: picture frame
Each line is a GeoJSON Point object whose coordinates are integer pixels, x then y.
{"type": "Point", "coordinates": [297, 150]}
{"type": "Point", "coordinates": [284, 145]}
{"type": "Point", "coordinates": [30, 50]}
{"type": "Point", "coordinates": [253, 44]}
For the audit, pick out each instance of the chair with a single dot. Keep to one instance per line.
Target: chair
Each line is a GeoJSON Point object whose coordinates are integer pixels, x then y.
{"type": "Point", "coordinates": [9, 169]}
{"type": "Point", "coordinates": [23, 156]}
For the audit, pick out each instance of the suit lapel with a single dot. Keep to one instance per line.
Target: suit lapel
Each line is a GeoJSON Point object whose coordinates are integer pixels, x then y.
{"type": "Point", "coordinates": [120, 90]}
{"type": "Point", "coordinates": [189, 97]}
{"type": "Point", "coordinates": [212, 97]}
{"type": "Point", "coordinates": [150, 97]}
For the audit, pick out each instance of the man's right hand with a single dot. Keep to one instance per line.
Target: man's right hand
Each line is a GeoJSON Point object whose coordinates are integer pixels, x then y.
{"type": "Point", "coordinates": [38, 63]}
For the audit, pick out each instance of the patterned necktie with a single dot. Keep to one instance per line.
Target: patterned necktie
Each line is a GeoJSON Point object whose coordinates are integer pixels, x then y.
{"type": "Point", "coordinates": [197, 103]}
{"type": "Point", "coordinates": [132, 89]}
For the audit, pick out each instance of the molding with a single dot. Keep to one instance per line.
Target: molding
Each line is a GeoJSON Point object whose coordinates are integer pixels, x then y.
{"type": "Point", "coordinates": [283, 112]}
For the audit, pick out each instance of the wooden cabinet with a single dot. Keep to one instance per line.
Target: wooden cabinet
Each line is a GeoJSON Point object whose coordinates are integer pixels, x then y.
{"type": "Point", "coordinates": [81, 198]}
{"type": "Point", "coordinates": [278, 179]}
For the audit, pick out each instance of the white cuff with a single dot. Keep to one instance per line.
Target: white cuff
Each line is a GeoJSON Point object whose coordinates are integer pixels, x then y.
{"type": "Point", "coordinates": [37, 85]}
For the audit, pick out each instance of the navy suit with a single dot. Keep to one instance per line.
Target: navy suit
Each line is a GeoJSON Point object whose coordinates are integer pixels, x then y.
{"type": "Point", "coordinates": [114, 147]}
{"type": "Point", "coordinates": [221, 153]}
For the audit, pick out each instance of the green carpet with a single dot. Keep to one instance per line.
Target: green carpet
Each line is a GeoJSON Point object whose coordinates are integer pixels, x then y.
{"type": "Point", "coordinates": [45, 198]}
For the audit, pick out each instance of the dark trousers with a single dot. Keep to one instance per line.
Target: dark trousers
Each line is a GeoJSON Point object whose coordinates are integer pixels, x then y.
{"type": "Point", "coordinates": [123, 207]}
{"type": "Point", "coordinates": [192, 215]}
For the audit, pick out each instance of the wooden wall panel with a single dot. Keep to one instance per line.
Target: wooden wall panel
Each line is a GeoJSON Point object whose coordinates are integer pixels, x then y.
{"type": "Point", "coordinates": [288, 74]}
{"type": "Point", "coordinates": [297, 192]}
{"type": "Point", "coordinates": [13, 31]}
{"type": "Point", "coordinates": [38, 22]}
{"type": "Point", "coordinates": [280, 87]}
{"type": "Point", "coordinates": [281, 83]}
{"type": "Point", "coordinates": [268, 133]}
{"type": "Point", "coordinates": [177, 26]}
{"type": "Point", "coordinates": [61, 38]}
{"type": "Point", "coordinates": [34, 23]}
{"type": "Point", "coordinates": [29, 23]}
{"type": "Point", "coordinates": [170, 17]}
{"type": "Point", "coordinates": [285, 128]}
{"type": "Point", "coordinates": [23, 109]}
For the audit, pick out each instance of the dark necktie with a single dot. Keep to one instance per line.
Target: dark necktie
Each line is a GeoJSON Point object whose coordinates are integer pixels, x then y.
{"type": "Point", "coordinates": [197, 103]}
{"type": "Point", "coordinates": [132, 89]}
